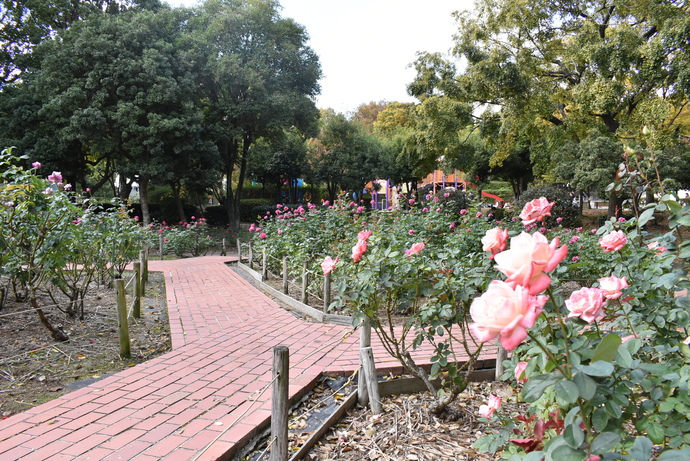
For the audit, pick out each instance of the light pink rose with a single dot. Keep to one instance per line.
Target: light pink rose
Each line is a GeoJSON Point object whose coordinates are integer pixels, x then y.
{"type": "Point", "coordinates": [613, 241]}
{"type": "Point", "coordinates": [612, 286]}
{"type": "Point", "coordinates": [520, 372]}
{"type": "Point", "coordinates": [328, 264]}
{"type": "Point", "coordinates": [415, 248]}
{"type": "Point", "coordinates": [586, 303]}
{"type": "Point", "coordinates": [36, 164]}
{"type": "Point", "coordinates": [505, 311]}
{"type": "Point", "coordinates": [493, 405]}
{"type": "Point", "coordinates": [364, 235]}
{"type": "Point", "coordinates": [536, 210]}
{"type": "Point", "coordinates": [358, 250]}
{"type": "Point", "coordinates": [658, 249]}
{"type": "Point", "coordinates": [495, 241]}
{"type": "Point", "coordinates": [527, 260]}
{"type": "Point", "coordinates": [55, 178]}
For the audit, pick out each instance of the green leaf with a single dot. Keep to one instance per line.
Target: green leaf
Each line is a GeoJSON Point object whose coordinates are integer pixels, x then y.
{"type": "Point", "coordinates": [607, 349]}
{"type": "Point", "coordinates": [606, 441]}
{"type": "Point", "coordinates": [646, 216]}
{"type": "Point", "coordinates": [642, 449]}
{"type": "Point", "coordinates": [567, 391]}
{"type": "Point", "coordinates": [574, 435]}
{"type": "Point", "coordinates": [599, 369]}
{"type": "Point", "coordinates": [565, 453]}
{"type": "Point", "coordinates": [535, 388]}
{"type": "Point", "coordinates": [675, 455]}
{"type": "Point", "coordinates": [600, 418]}
{"type": "Point", "coordinates": [586, 386]}
{"type": "Point", "coordinates": [655, 431]}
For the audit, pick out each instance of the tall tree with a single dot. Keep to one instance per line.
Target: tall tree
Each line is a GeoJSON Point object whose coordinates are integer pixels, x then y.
{"type": "Point", "coordinates": [557, 70]}
{"type": "Point", "coordinates": [27, 23]}
{"type": "Point", "coordinates": [344, 156]}
{"type": "Point", "coordinates": [258, 77]}
{"type": "Point", "coordinates": [118, 90]}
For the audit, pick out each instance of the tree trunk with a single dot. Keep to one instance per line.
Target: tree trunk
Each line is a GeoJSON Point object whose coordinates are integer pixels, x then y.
{"type": "Point", "coordinates": [56, 333]}
{"type": "Point", "coordinates": [178, 201]}
{"type": "Point", "coordinates": [144, 199]}
{"type": "Point", "coordinates": [615, 206]}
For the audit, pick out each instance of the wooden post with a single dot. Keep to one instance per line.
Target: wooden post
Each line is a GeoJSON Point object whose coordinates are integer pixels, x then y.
{"type": "Point", "coordinates": [305, 283]}
{"type": "Point", "coordinates": [224, 248]}
{"type": "Point", "coordinates": [123, 327]}
{"type": "Point", "coordinates": [251, 255]}
{"type": "Point", "coordinates": [264, 265]}
{"type": "Point", "coordinates": [364, 341]}
{"type": "Point", "coordinates": [286, 288]}
{"type": "Point", "coordinates": [136, 291]}
{"type": "Point", "coordinates": [326, 292]}
{"type": "Point", "coordinates": [279, 404]}
{"type": "Point", "coordinates": [367, 358]}
{"type": "Point", "coordinates": [144, 271]}
{"type": "Point", "coordinates": [239, 250]}
{"type": "Point", "coordinates": [501, 355]}
{"type": "Point", "coordinates": [160, 245]}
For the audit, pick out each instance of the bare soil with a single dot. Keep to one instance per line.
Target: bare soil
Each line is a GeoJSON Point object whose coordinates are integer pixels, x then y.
{"type": "Point", "coordinates": [35, 369]}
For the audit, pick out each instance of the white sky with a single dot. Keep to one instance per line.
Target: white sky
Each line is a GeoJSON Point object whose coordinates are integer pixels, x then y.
{"type": "Point", "coordinates": [366, 46]}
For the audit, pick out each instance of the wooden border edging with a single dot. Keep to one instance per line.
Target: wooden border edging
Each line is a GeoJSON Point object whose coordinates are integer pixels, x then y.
{"type": "Point", "coordinates": [293, 303]}
{"type": "Point", "coordinates": [386, 388]}
{"type": "Point", "coordinates": [314, 438]}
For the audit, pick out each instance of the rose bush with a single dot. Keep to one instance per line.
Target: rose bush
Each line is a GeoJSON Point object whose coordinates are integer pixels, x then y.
{"type": "Point", "coordinates": [607, 377]}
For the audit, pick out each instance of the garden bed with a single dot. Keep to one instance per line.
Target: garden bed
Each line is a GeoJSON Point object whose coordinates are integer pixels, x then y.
{"type": "Point", "coordinates": [35, 369]}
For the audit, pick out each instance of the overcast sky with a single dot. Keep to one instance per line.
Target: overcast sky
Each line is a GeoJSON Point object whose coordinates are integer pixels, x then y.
{"type": "Point", "coordinates": [366, 46]}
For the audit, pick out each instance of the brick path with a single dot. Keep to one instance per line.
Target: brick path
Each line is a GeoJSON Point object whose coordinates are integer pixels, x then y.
{"type": "Point", "coordinates": [201, 400]}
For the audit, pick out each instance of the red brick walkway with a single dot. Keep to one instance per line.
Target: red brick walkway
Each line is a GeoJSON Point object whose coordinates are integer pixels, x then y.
{"type": "Point", "coordinates": [201, 400]}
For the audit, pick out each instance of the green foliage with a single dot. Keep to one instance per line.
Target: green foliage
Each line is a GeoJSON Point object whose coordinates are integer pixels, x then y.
{"type": "Point", "coordinates": [187, 239]}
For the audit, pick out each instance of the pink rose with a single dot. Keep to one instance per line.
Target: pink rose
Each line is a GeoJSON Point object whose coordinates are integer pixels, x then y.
{"type": "Point", "coordinates": [506, 311]}
{"type": "Point", "coordinates": [613, 241]}
{"type": "Point", "coordinates": [328, 264]}
{"type": "Point", "coordinates": [654, 246]}
{"type": "Point", "coordinates": [495, 241]}
{"type": "Point", "coordinates": [527, 260]}
{"type": "Point", "coordinates": [612, 286]}
{"type": "Point", "coordinates": [36, 164]}
{"type": "Point", "coordinates": [494, 404]}
{"type": "Point", "coordinates": [452, 226]}
{"type": "Point", "coordinates": [364, 235]}
{"type": "Point", "coordinates": [586, 303]}
{"type": "Point", "coordinates": [463, 212]}
{"type": "Point", "coordinates": [358, 250]}
{"type": "Point", "coordinates": [536, 210]}
{"type": "Point", "coordinates": [520, 372]}
{"type": "Point", "coordinates": [479, 214]}
{"type": "Point", "coordinates": [263, 235]}
{"type": "Point", "coordinates": [415, 248]}
{"type": "Point", "coordinates": [411, 231]}
{"type": "Point", "coordinates": [55, 178]}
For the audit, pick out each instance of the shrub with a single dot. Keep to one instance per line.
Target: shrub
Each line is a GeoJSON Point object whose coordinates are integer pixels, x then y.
{"type": "Point", "coordinates": [247, 206]}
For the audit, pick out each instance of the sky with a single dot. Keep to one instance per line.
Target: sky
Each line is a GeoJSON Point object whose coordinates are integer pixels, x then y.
{"type": "Point", "coordinates": [366, 47]}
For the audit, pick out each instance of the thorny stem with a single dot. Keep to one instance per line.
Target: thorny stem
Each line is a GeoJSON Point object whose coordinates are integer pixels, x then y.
{"type": "Point", "coordinates": [566, 372]}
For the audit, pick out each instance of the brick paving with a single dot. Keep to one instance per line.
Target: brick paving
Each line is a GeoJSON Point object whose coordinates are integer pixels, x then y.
{"type": "Point", "coordinates": [203, 399]}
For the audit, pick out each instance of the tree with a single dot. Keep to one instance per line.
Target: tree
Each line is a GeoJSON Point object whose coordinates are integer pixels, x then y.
{"type": "Point", "coordinates": [344, 156]}
{"type": "Point", "coordinates": [257, 77]}
{"type": "Point", "coordinates": [557, 70]}
{"type": "Point", "coordinates": [282, 160]}
{"type": "Point", "coordinates": [117, 91]}
{"type": "Point", "coordinates": [26, 23]}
